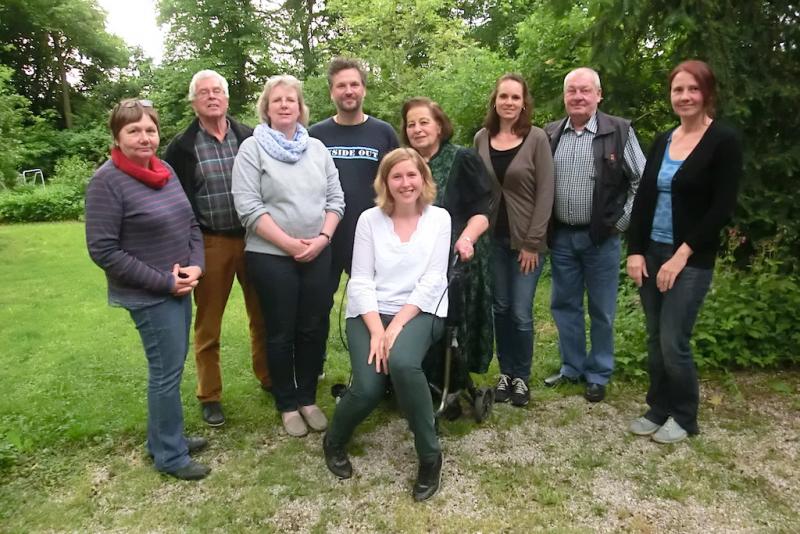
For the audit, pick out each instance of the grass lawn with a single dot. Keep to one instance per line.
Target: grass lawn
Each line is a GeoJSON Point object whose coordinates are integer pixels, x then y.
{"type": "Point", "coordinates": [72, 423]}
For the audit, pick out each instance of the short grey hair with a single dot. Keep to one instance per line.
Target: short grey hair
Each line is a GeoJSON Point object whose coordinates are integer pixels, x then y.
{"type": "Point", "coordinates": [202, 75]}
{"type": "Point", "coordinates": [590, 71]}
{"type": "Point", "coordinates": [262, 106]}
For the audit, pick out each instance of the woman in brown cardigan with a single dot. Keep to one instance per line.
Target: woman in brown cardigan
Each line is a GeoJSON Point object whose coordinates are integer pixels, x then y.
{"type": "Point", "coordinates": [518, 158]}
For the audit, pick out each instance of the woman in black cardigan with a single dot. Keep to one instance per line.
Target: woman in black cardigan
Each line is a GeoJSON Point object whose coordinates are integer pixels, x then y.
{"type": "Point", "coordinates": [687, 195]}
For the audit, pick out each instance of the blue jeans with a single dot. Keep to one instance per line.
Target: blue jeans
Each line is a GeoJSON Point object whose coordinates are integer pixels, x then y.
{"type": "Point", "coordinates": [674, 389]}
{"type": "Point", "coordinates": [512, 306]}
{"type": "Point", "coordinates": [164, 329]}
{"type": "Point", "coordinates": [294, 300]}
{"type": "Point", "coordinates": [577, 265]}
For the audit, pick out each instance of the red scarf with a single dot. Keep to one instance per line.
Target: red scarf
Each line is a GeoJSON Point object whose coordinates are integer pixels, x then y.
{"type": "Point", "coordinates": [156, 176]}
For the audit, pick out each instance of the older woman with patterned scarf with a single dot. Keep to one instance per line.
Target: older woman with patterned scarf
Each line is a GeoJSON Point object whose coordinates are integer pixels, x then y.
{"type": "Point", "coordinates": [464, 190]}
{"type": "Point", "coordinates": [287, 194]}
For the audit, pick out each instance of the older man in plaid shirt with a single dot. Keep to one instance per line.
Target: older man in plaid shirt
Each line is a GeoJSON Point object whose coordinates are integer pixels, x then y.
{"type": "Point", "coordinates": [202, 157]}
{"type": "Point", "coordinates": [598, 165]}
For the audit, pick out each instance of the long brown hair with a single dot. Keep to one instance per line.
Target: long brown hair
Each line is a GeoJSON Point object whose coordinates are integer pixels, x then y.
{"type": "Point", "coordinates": [522, 125]}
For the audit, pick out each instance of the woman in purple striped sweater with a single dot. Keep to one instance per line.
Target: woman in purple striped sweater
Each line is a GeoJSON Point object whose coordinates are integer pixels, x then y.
{"type": "Point", "coordinates": [141, 231]}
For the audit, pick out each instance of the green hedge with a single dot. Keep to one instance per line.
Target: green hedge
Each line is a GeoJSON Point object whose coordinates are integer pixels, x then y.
{"type": "Point", "coordinates": [61, 200]}
{"type": "Point", "coordinates": [748, 320]}
{"type": "Point", "coordinates": [51, 203]}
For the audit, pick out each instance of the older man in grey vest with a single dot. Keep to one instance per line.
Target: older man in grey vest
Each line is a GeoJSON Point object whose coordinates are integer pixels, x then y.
{"type": "Point", "coordinates": [598, 165]}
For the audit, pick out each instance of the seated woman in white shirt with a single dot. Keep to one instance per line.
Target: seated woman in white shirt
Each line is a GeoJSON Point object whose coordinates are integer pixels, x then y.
{"type": "Point", "coordinates": [396, 305]}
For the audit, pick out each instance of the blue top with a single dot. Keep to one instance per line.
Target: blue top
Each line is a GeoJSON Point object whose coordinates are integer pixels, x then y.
{"type": "Point", "coordinates": [662, 218]}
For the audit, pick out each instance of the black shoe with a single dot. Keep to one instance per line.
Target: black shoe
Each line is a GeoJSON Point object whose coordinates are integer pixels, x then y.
{"type": "Point", "coordinates": [502, 391]}
{"type": "Point", "coordinates": [520, 394]}
{"type": "Point", "coordinates": [336, 459]}
{"type": "Point", "coordinates": [558, 379]}
{"type": "Point", "coordinates": [196, 443]}
{"type": "Point", "coordinates": [594, 392]}
{"type": "Point", "coordinates": [191, 471]}
{"type": "Point", "coordinates": [212, 413]}
{"type": "Point", "coordinates": [428, 478]}
{"type": "Point", "coordinates": [193, 443]}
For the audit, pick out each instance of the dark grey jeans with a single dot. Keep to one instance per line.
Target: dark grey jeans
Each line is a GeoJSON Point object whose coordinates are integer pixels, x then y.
{"type": "Point", "coordinates": [674, 388]}
{"type": "Point", "coordinates": [408, 379]}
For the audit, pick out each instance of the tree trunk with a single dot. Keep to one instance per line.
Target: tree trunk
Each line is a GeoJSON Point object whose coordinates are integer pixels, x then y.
{"type": "Point", "coordinates": [61, 59]}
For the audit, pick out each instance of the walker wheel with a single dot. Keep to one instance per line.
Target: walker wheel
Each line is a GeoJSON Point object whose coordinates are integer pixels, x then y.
{"type": "Point", "coordinates": [482, 405]}
{"type": "Point", "coordinates": [453, 410]}
{"type": "Point", "coordinates": [338, 391]}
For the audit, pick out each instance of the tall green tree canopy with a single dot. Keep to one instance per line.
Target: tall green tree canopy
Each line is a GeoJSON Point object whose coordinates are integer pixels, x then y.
{"type": "Point", "coordinates": [57, 48]}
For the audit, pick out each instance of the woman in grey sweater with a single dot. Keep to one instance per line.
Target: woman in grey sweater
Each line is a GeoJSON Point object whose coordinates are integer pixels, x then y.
{"type": "Point", "coordinates": [288, 197]}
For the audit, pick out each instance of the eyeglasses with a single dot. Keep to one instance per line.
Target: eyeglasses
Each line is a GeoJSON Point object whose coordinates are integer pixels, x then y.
{"type": "Point", "coordinates": [216, 91]}
{"type": "Point", "coordinates": [134, 103]}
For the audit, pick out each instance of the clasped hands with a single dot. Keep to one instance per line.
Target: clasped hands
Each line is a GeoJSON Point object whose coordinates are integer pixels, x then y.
{"type": "Point", "coordinates": [186, 279]}
{"type": "Point", "coordinates": [380, 345]}
{"type": "Point", "coordinates": [306, 250]}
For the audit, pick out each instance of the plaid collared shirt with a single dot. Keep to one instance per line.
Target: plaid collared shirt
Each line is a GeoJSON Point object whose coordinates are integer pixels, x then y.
{"type": "Point", "coordinates": [212, 176]}
{"type": "Point", "coordinates": [575, 174]}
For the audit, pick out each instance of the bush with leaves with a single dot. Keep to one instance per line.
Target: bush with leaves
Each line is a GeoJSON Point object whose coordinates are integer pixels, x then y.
{"type": "Point", "coordinates": [53, 203]}
{"type": "Point", "coordinates": [73, 171]}
{"type": "Point", "coordinates": [748, 318]}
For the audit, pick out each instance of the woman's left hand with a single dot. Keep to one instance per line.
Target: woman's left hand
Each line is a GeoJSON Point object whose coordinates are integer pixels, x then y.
{"type": "Point", "coordinates": [669, 272]}
{"type": "Point", "coordinates": [389, 337]}
{"type": "Point", "coordinates": [464, 248]}
{"type": "Point", "coordinates": [314, 246]}
{"type": "Point", "coordinates": [528, 261]}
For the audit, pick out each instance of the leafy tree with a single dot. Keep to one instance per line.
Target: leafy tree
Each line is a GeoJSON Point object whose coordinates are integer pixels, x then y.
{"type": "Point", "coordinates": [230, 36]}
{"type": "Point", "coordinates": [57, 48]}
{"type": "Point", "coordinates": [757, 64]}
{"type": "Point", "coordinates": [13, 109]}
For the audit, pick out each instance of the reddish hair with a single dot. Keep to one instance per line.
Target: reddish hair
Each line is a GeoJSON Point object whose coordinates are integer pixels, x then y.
{"type": "Point", "coordinates": [436, 111]}
{"type": "Point", "coordinates": [706, 81]}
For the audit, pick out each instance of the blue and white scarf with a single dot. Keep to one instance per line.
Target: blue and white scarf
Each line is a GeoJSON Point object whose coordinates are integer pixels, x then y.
{"type": "Point", "coordinates": [278, 146]}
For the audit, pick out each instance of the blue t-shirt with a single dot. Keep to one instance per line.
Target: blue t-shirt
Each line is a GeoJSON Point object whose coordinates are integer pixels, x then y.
{"type": "Point", "coordinates": [662, 219]}
{"type": "Point", "coordinates": [357, 151]}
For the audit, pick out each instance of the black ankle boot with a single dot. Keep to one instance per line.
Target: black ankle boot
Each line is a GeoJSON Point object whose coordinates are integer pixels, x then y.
{"type": "Point", "coordinates": [336, 459]}
{"type": "Point", "coordinates": [428, 478]}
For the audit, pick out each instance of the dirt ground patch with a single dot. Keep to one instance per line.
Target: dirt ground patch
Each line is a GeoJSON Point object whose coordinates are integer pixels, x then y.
{"type": "Point", "coordinates": [560, 465]}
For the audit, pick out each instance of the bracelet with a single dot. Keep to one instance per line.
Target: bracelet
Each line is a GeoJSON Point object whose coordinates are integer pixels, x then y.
{"type": "Point", "coordinates": [466, 238]}
{"type": "Point", "coordinates": [326, 235]}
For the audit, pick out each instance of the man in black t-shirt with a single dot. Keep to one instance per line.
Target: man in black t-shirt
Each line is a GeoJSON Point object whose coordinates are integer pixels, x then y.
{"type": "Point", "coordinates": [357, 143]}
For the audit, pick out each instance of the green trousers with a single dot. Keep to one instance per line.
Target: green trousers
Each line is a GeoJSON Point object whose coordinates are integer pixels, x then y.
{"type": "Point", "coordinates": [408, 380]}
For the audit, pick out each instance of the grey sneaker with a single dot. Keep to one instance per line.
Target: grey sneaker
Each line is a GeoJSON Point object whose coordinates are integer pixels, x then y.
{"type": "Point", "coordinates": [502, 390]}
{"type": "Point", "coordinates": [670, 432]}
{"type": "Point", "coordinates": [294, 424]}
{"type": "Point", "coordinates": [642, 426]}
{"type": "Point", "coordinates": [314, 417]}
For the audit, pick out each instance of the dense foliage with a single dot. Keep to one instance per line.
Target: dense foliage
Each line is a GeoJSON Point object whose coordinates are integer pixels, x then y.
{"type": "Point", "coordinates": [60, 72]}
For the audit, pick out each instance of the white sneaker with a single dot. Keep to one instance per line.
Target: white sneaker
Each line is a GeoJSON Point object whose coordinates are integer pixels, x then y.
{"type": "Point", "coordinates": [642, 426]}
{"type": "Point", "coordinates": [670, 432]}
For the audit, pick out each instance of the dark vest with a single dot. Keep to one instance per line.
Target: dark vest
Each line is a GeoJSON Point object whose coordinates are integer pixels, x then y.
{"type": "Point", "coordinates": [611, 186]}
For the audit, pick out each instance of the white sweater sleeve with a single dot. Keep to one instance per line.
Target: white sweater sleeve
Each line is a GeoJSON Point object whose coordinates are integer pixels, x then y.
{"type": "Point", "coordinates": [429, 293]}
{"type": "Point", "coordinates": [361, 294]}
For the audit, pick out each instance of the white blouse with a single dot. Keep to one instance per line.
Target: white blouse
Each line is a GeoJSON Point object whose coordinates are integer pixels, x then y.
{"type": "Point", "coordinates": [386, 273]}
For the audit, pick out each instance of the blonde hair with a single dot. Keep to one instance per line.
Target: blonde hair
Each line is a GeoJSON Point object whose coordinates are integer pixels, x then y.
{"type": "Point", "coordinates": [262, 106]}
{"type": "Point", "coordinates": [383, 199]}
